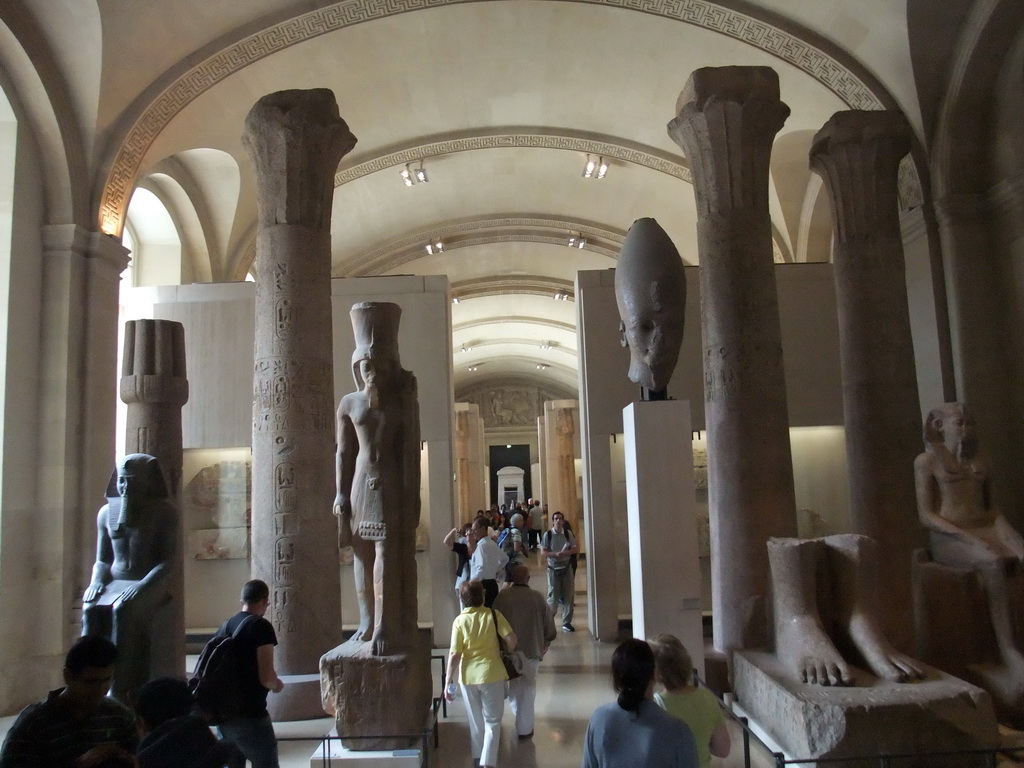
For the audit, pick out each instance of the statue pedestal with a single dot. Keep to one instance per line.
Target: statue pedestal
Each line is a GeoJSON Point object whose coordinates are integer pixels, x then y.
{"type": "Point", "coordinates": [953, 629]}
{"type": "Point", "coordinates": [385, 696]}
{"type": "Point", "coordinates": [940, 713]}
{"type": "Point", "coordinates": [664, 564]}
{"type": "Point", "coordinates": [335, 754]}
{"type": "Point", "coordinates": [300, 699]}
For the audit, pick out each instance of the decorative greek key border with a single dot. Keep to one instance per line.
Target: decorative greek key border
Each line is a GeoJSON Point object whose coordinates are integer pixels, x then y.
{"type": "Point", "coordinates": [196, 80]}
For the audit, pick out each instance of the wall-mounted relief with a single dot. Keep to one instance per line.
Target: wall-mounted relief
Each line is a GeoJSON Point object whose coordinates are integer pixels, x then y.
{"type": "Point", "coordinates": [511, 405]}
{"type": "Point", "coordinates": [217, 497]}
{"type": "Point", "coordinates": [219, 544]}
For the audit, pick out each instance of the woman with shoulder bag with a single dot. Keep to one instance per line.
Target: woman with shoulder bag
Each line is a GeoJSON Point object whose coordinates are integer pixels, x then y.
{"type": "Point", "coordinates": [475, 661]}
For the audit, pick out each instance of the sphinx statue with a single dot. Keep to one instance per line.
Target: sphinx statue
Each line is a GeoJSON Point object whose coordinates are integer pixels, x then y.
{"type": "Point", "coordinates": [650, 291]}
{"type": "Point", "coordinates": [136, 532]}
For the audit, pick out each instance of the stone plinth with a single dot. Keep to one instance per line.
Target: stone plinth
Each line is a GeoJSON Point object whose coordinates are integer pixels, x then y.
{"type": "Point", "coordinates": [295, 140]}
{"type": "Point", "coordinates": [954, 631]}
{"type": "Point", "coordinates": [376, 695]}
{"type": "Point", "coordinates": [872, 717]}
{"type": "Point", "coordinates": [335, 754]}
{"type": "Point", "coordinates": [726, 120]}
{"type": "Point", "coordinates": [857, 154]}
{"type": "Point", "coordinates": [661, 509]}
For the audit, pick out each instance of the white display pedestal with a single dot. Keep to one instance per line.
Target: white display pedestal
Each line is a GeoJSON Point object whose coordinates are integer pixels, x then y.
{"type": "Point", "coordinates": [664, 563]}
{"type": "Point", "coordinates": [334, 754]}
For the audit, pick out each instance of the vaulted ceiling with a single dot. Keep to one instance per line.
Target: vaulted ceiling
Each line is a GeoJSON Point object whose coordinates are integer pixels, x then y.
{"type": "Point", "coordinates": [502, 101]}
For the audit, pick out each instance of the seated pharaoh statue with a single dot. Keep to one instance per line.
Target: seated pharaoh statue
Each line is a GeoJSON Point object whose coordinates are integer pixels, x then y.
{"type": "Point", "coordinates": [973, 549]}
{"type": "Point", "coordinates": [825, 619]}
{"type": "Point", "coordinates": [137, 534]}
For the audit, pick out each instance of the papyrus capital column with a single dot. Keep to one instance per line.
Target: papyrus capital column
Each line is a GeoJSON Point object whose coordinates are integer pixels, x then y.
{"type": "Point", "coordinates": [295, 140]}
{"type": "Point", "coordinates": [857, 154]}
{"type": "Point", "coordinates": [726, 121]}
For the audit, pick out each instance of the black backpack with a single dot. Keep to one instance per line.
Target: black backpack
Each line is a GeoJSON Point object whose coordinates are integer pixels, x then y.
{"type": "Point", "coordinates": [216, 682]}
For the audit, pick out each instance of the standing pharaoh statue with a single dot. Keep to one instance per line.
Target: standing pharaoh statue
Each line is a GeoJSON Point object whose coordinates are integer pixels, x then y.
{"type": "Point", "coordinates": [377, 684]}
{"type": "Point", "coordinates": [135, 550]}
{"type": "Point", "coordinates": [964, 529]}
{"type": "Point", "coordinates": [378, 478]}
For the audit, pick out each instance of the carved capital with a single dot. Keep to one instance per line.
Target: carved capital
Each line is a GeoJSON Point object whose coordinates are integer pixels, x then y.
{"type": "Point", "coordinates": [857, 153]}
{"type": "Point", "coordinates": [295, 140]}
{"type": "Point", "coordinates": [726, 121]}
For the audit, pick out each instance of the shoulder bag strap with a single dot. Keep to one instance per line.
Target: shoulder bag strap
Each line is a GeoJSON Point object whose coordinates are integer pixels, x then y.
{"type": "Point", "coordinates": [501, 642]}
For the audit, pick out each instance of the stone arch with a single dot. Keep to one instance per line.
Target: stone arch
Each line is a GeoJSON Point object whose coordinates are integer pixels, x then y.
{"type": "Point", "coordinates": [152, 111]}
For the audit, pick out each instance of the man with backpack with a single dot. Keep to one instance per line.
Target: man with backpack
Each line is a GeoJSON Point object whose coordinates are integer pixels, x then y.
{"type": "Point", "coordinates": [558, 545]}
{"type": "Point", "coordinates": [253, 639]}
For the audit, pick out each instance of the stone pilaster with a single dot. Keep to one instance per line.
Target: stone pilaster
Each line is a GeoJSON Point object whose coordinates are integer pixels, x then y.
{"type": "Point", "coordinates": [154, 387]}
{"type": "Point", "coordinates": [857, 154]}
{"type": "Point", "coordinates": [726, 121]}
{"type": "Point", "coordinates": [469, 463]}
{"type": "Point", "coordinates": [295, 140]}
{"type": "Point", "coordinates": [560, 417]}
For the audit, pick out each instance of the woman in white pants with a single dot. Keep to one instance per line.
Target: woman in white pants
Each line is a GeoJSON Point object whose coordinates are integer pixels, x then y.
{"type": "Point", "coordinates": [475, 662]}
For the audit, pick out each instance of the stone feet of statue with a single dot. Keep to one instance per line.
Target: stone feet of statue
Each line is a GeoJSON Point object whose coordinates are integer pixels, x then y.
{"type": "Point", "coordinates": [362, 633]}
{"type": "Point", "coordinates": [884, 660]}
{"type": "Point", "coordinates": [381, 644]}
{"type": "Point", "coordinates": [805, 649]}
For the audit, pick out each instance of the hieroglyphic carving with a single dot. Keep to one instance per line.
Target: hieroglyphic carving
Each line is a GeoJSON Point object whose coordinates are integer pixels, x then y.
{"type": "Point", "coordinates": [291, 394]}
{"type": "Point", "coordinates": [195, 80]}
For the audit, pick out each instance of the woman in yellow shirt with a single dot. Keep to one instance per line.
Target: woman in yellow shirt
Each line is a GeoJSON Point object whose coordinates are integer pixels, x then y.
{"type": "Point", "coordinates": [697, 707]}
{"type": "Point", "coordinates": [475, 662]}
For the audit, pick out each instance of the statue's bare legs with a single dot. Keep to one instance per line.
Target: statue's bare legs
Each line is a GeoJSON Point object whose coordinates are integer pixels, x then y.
{"type": "Point", "coordinates": [994, 577]}
{"type": "Point", "coordinates": [800, 641]}
{"type": "Point", "coordinates": [380, 631]}
{"type": "Point", "coordinates": [363, 570]}
{"type": "Point", "coordinates": [853, 564]}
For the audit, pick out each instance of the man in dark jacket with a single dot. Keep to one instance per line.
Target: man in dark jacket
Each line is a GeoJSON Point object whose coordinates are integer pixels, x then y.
{"type": "Point", "coordinates": [173, 737]}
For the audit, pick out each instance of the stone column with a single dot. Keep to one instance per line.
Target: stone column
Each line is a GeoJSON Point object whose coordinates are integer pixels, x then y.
{"type": "Point", "coordinates": [295, 140]}
{"type": "Point", "coordinates": [727, 118]}
{"type": "Point", "coordinates": [857, 154]}
{"type": "Point", "coordinates": [154, 387]}
{"type": "Point", "coordinates": [560, 461]}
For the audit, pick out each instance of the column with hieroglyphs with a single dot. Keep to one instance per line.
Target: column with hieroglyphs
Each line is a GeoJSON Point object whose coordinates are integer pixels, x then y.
{"type": "Point", "coordinates": [857, 154]}
{"type": "Point", "coordinates": [726, 120]}
{"type": "Point", "coordinates": [295, 140]}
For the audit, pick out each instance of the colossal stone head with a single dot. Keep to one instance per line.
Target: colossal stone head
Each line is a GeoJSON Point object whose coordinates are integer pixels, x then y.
{"type": "Point", "coordinates": [650, 290]}
{"type": "Point", "coordinates": [375, 327]}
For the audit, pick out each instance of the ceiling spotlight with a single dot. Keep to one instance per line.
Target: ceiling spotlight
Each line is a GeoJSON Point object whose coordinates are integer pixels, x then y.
{"type": "Point", "coordinates": [435, 247]}
{"type": "Point", "coordinates": [545, 345]}
{"type": "Point", "coordinates": [602, 168]}
{"type": "Point", "coordinates": [406, 175]}
{"type": "Point", "coordinates": [588, 169]}
{"type": "Point", "coordinates": [572, 241]}
{"type": "Point", "coordinates": [580, 242]}
{"type": "Point", "coordinates": [558, 296]}
{"type": "Point", "coordinates": [473, 367]}
{"type": "Point", "coordinates": [421, 174]}
{"type": "Point", "coordinates": [541, 366]}
{"type": "Point", "coordinates": [455, 299]}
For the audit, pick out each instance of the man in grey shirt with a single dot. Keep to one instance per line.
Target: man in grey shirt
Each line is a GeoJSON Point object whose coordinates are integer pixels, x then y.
{"type": "Point", "coordinates": [558, 545]}
{"type": "Point", "coordinates": [530, 618]}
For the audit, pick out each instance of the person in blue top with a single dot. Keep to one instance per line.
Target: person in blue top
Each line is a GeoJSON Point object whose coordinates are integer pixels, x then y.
{"type": "Point", "coordinates": [633, 731]}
